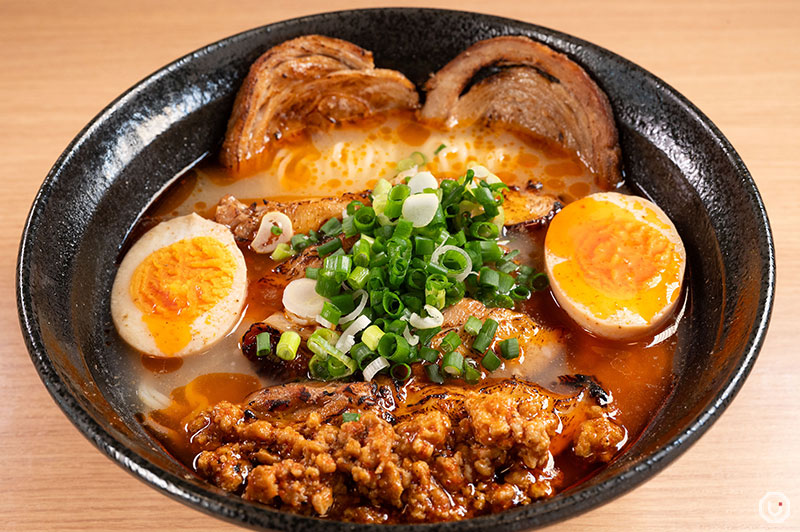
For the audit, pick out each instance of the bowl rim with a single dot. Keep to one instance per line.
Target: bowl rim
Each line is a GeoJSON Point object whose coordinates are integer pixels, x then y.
{"type": "Point", "coordinates": [243, 513]}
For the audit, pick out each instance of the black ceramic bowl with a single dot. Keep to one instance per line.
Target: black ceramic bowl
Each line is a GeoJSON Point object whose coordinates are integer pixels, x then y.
{"type": "Point", "coordinates": [106, 178]}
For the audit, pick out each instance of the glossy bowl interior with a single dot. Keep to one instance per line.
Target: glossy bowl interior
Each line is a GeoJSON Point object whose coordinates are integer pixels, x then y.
{"type": "Point", "coordinates": [111, 172]}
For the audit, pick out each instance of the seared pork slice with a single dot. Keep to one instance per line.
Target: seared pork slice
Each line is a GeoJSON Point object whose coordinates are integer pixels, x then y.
{"type": "Point", "coordinates": [310, 81]}
{"type": "Point", "coordinates": [527, 207]}
{"type": "Point", "coordinates": [538, 91]}
{"type": "Point", "coordinates": [416, 453]}
{"type": "Point", "coordinates": [538, 345]}
{"type": "Point", "coordinates": [305, 215]}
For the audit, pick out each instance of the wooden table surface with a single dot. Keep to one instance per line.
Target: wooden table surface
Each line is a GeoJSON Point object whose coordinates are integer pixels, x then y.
{"type": "Point", "coordinates": [739, 61]}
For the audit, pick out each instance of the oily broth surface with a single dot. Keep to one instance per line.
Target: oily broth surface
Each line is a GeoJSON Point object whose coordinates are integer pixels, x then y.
{"type": "Point", "coordinates": [350, 158]}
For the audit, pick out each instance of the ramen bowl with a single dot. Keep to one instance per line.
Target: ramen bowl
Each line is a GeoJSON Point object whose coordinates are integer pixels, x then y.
{"type": "Point", "coordinates": [108, 176]}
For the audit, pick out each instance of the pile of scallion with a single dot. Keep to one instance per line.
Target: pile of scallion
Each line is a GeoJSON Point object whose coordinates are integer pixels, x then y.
{"type": "Point", "coordinates": [421, 247]}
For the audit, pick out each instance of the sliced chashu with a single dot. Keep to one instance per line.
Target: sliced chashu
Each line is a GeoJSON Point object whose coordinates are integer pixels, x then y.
{"type": "Point", "coordinates": [308, 81]}
{"type": "Point", "coordinates": [541, 92]}
{"type": "Point", "coordinates": [244, 219]}
{"type": "Point", "coordinates": [538, 345]}
{"type": "Point", "coordinates": [293, 403]}
{"type": "Point", "coordinates": [527, 207]}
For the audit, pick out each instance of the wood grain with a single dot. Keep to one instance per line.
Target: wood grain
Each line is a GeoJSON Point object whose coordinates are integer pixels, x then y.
{"type": "Point", "coordinates": [739, 61]}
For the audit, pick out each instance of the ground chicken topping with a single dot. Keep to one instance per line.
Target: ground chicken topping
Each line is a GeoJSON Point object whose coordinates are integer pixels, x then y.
{"type": "Point", "coordinates": [462, 453]}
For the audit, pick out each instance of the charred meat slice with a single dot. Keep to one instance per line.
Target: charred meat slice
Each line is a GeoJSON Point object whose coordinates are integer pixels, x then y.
{"type": "Point", "coordinates": [308, 81]}
{"type": "Point", "coordinates": [538, 91]}
{"type": "Point", "coordinates": [306, 215]}
{"type": "Point", "coordinates": [527, 207]}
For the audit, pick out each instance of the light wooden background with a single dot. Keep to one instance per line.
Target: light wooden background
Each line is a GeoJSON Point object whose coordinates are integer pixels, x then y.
{"type": "Point", "coordinates": [739, 61]}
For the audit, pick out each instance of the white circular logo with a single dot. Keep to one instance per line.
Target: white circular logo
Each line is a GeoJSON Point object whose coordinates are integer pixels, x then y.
{"type": "Point", "coordinates": [774, 507]}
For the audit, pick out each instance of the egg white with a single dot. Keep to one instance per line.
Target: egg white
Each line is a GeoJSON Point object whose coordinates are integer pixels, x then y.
{"type": "Point", "coordinates": [624, 324]}
{"type": "Point", "coordinates": [207, 328]}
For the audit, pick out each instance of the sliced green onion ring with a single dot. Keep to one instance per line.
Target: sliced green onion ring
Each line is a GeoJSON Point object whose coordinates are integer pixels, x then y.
{"type": "Point", "coordinates": [456, 275]}
{"type": "Point", "coordinates": [359, 308]}
{"type": "Point", "coordinates": [374, 367]}
{"type": "Point", "coordinates": [288, 345]}
{"type": "Point", "coordinates": [348, 338]}
{"type": "Point", "coordinates": [434, 319]}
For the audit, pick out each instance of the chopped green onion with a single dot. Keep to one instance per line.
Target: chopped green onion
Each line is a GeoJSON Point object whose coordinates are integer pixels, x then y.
{"type": "Point", "coordinates": [350, 416]}
{"type": "Point", "coordinates": [435, 287]}
{"type": "Point", "coordinates": [509, 348]}
{"type": "Point", "coordinates": [426, 335]}
{"type": "Point", "coordinates": [490, 251]}
{"type": "Point", "coordinates": [282, 252]}
{"type": "Point", "coordinates": [440, 148]}
{"type": "Point", "coordinates": [358, 277]}
{"type": "Point", "coordinates": [539, 282]}
{"type": "Point", "coordinates": [454, 261]}
{"type": "Point", "coordinates": [434, 375]}
{"type": "Point", "coordinates": [485, 336]}
{"type": "Point", "coordinates": [330, 313]}
{"type": "Point", "coordinates": [416, 159]}
{"type": "Point", "coordinates": [429, 354]}
{"type": "Point", "coordinates": [403, 229]}
{"type": "Point", "coordinates": [344, 302]}
{"type": "Point", "coordinates": [353, 206]}
{"type": "Point", "coordinates": [491, 361]}
{"type": "Point", "coordinates": [312, 273]}
{"type": "Point", "coordinates": [505, 283]}
{"type": "Point", "coordinates": [506, 266]}
{"type": "Point", "coordinates": [392, 304]}
{"type": "Point", "coordinates": [327, 284]}
{"type": "Point", "coordinates": [393, 209]}
{"type": "Point", "coordinates": [364, 219]}
{"type": "Point", "coordinates": [473, 326]}
{"type": "Point", "coordinates": [329, 247]}
{"type": "Point", "coordinates": [340, 365]}
{"type": "Point", "coordinates": [393, 347]}
{"type": "Point", "coordinates": [300, 242]}
{"type": "Point", "coordinates": [276, 230]}
{"type": "Point", "coordinates": [349, 227]}
{"type": "Point", "coordinates": [288, 345]}
{"type": "Point", "coordinates": [501, 301]}
{"type": "Point", "coordinates": [484, 230]}
{"type": "Point", "coordinates": [263, 346]}
{"type": "Point", "coordinates": [471, 374]}
{"type": "Point", "coordinates": [453, 364]}
{"type": "Point", "coordinates": [396, 326]}
{"type": "Point", "coordinates": [450, 342]}
{"type": "Point", "coordinates": [401, 372]}
{"type": "Point", "coordinates": [371, 336]}
{"type": "Point", "coordinates": [489, 277]}
{"type": "Point", "coordinates": [433, 268]}
{"type": "Point", "coordinates": [338, 265]}
{"type": "Point", "coordinates": [362, 354]}
{"type": "Point", "coordinates": [362, 251]}
{"type": "Point", "coordinates": [322, 342]}
{"type": "Point", "coordinates": [423, 246]}
{"type": "Point", "coordinates": [520, 293]}
{"type": "Point", "coordinates": [332, 227]}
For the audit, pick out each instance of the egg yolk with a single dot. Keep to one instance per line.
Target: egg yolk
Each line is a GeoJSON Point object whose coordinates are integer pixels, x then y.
{"type": "Point", "coordinates": [613, 258]}
{"type": "Point", "coordinates": [176, 284]}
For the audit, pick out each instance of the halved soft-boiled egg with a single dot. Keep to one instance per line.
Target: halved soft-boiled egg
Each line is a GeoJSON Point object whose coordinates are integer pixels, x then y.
{"type": "Point", "coordinates": [615, 264]}
{"type": "Point", "coordinates": [180, 288]}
